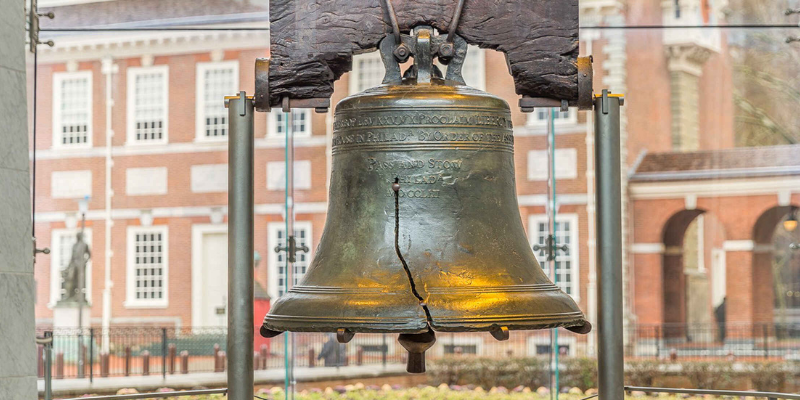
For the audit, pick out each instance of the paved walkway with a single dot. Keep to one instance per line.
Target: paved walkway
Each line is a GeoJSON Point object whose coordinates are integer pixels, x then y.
{"type": "Point", "coordinates": [77, 387]}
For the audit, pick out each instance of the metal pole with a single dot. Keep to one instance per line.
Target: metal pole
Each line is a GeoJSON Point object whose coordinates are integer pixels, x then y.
{"type": "Point", "coordinates": [609, 247]}
{"type": "Point", "coordinates": [81, 300]}
{"type": "Point", "coordinates": [289, 344]}
{"type": "Point", "coordinates": [48, 365]}
{"type": "Point", "coordinates": [91, 355]}
{"type": "Point", "coordinates": [240, 247]}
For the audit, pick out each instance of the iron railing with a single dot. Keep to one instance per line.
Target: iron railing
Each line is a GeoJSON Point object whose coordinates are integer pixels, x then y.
{"type": "Point", "coordinates": [166, 351]}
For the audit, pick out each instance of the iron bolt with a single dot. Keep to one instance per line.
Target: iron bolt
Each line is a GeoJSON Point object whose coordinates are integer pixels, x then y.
{"type": "Point", "coordinates": [446, 50]}
{"type": "Point", "coordinates": [402, 52]}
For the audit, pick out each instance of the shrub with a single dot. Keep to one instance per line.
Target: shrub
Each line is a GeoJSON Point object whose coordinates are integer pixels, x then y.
{"type": "Point", "coordinates": [642, 372]}
{"type": "Point", "coordinates": [767, 376]}
{"type": "Point", "coordinates": [709, 375]}
{"type": "Point", "coordinates": [579, 372]}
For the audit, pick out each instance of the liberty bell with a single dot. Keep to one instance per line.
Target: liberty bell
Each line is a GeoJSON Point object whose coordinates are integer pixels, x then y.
{"type": "Point", "coordinates": [423, 232]}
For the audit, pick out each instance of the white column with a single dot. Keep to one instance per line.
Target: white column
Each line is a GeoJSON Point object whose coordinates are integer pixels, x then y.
{"type": "Point", "coordinates": [108, 69]}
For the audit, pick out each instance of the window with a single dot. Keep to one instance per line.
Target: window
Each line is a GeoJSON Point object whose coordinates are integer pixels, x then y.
{"type": "Point", "coordinates": [539, 345]}
{"type": "Point", "coordinates": [539, 117]}
{"type": "Point", "coordinates": [276, 175]}
{"type": "Point", "coordinates": [368, 72]}
{"type": "Point", "coordinates": [455, 344]}
{"type": "Point", "coordinates": [566, 262]}
{"type": "Point", "coordinates": [148, 99]}
{"type": "Point", "coordinates": [474, 69]}
{"type": "Point", "coordinates": [60, 255]}
{"type": "Point", "coordinates": [277, 261]}
{"type": "Point", "coordinates": [301, 123]}
{"type": "Point", "coordinates": [566, 164]}
{"type": "Point", "coordinates": [214, 82]}
{"type": "Point", "coordinates": [72, 109]}
{"type": "Point", "coordinates": [147, 266]}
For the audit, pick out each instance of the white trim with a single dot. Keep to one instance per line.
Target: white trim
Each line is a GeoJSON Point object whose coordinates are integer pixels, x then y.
{"type": "Point", "coordinates": [712, 188]}
{"type": "Point", "coordinates": [198, 231]}
{"type": "Point", "coordinates": [460, 340]}
{"type": "Point", "coordinates": [59, 3]}
{"type": "Point", "coordinates": [130, 44]}
{"type": "Point", "coordinates": [647, 248]}
{"type": "Point", "coordinates": [55, 268]}
{"type": "Point", "coordinates": [718, 276]}
{"type": "Point", "coordinates": [58, 79]}
{"type": "Point", "coordinates": [181, 212]}
{"type": "Point", "coordinates": [272, 259]}
{"type": "Point", "coordinates": [132, 74]}
{"type": "Point", "coordinates": [574, 246]}
{"type": "Point", "coordinates": [201, 69]}
{"type": "Point", "coordinates": [784, 197]}
{"type": "Point", "coordinates": [130, 300]}
{"type": "Point", "coordinates": [173, 148]}
{"type": "Point", "coordinates": [738, 245]}
{"type": "Point", "coordinates": [272, 124]}
{"type": "Point", "coordinates": [541, 130]}
{"type": "Point", "coordinates": [528, 200]}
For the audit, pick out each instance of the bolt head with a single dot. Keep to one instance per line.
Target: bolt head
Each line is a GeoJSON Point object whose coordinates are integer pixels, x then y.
{"type": "Point", "coordinates": [446, 50]}
{"type": "Point", "coordinates": [402, 52]}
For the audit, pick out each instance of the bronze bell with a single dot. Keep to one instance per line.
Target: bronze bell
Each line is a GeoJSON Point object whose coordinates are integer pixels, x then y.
{"type": "Point", "coordinates": [423, 231]}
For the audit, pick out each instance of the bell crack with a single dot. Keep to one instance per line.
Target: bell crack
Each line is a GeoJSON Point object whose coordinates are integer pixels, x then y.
{"type": "Point", "coordinates": [396, 190]}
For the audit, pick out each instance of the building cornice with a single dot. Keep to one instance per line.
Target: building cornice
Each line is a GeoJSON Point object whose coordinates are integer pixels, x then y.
{"type": "Point", "coordinates": [712, 188]}
{"type": "Point", "coordinates": [91, 46]}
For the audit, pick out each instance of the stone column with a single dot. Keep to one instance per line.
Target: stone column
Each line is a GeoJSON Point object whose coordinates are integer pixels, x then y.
{"type": "Point", "coordinates": [17, 347]}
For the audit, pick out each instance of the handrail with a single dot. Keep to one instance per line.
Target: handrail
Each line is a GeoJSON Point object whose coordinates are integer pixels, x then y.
{"type": "Point", "coordinates": [769, 395]}
{"type": "Point", "coordinates": [158, 395]}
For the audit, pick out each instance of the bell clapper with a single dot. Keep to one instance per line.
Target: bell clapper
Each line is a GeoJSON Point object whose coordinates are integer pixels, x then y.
{"type": "Point", "coordinates": [416, 344]}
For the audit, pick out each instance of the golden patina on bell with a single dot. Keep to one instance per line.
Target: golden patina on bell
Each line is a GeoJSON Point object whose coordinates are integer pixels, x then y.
{"type": "Point", "coordinates": [423, 231]}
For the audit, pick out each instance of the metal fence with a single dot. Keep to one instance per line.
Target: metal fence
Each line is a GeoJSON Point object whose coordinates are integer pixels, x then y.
{"type": "Point", "coordinates": [126, 351]}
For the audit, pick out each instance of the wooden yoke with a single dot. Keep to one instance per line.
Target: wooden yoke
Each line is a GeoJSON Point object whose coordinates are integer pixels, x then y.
{"type": "Point", "coordinates": [313, 43]}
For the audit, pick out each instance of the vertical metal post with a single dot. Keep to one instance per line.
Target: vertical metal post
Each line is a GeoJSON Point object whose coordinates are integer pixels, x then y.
{"type": "Point", "coordinates": [609, 247]}
{"type": "Point", "coordinates": [240, 247]}
{"type": "Point", "coordinates": [91, 355]}
{"type": "Point", "coordinates": [164, 353]}
{"type": "Point", "coordinates": [48, 365]}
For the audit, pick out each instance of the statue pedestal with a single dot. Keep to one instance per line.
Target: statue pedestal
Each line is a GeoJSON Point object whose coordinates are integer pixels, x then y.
{"type": "Point", "coordinates": [65, 315]}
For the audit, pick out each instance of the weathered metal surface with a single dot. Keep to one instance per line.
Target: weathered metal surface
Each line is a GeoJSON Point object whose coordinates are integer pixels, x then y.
{"type": "Point", "coordinates": [423, 228]}
{"type": "Point", "coordinates": [313, 42]}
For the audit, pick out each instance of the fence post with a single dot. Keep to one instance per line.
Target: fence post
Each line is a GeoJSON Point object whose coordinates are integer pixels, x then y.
{"type": "Point", "coordinates": [184, 362]}
{"type": "Point", "coordinates": [91, 355]}
{"type": "Point", "coordinates": [127, 360]}
{"type": "Point", "coordinates": [164, 353]}
{"type": "Point", "coordinates": [256, 361]}
{"type": "Point", "coordinates": [40, 362]}
{"type": "Point", "coordinates": [145, 363]}
{"type": "Point", "coordinates": [104, 358]}
{"type": "Point", "coordinates": [172, 349]}
{"type": "Point", "coordinates": [48, 365]}
{"type": "Point", "coordinates": [60, 365]}
{"type": "Point", "coordinates": [360, 355]}
{"type": "Point", "coordinates": [217, 367]}
{"type": "Point", "coordinates": [765, 334]}
{"type": "Point", "coordinates": [222, 360]}
{"type": "Point", "coordinates": [384, 350]}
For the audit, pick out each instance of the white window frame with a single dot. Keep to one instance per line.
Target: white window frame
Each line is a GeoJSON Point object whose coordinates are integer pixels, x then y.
{"type": "Point", "coordinates": [535, 121]}
{"type": "Point", "coordinates": [200, 107]}
{"type": "Point", "coordinates": [562, 155]}
{"type": "Point", "coordinates": [476, 56]}
{"type": "Point", "coordinates": [353, 81]}
{"type": "Point", "coordinates": [272, 124]}
{"type": "Point", "coordinates": [55, 268]}
{"type": "Point", "coordinates": [460, 340]}
{"type": "Point", "coordinates": [272, 260]}
{"type": "Point", "coordinates": [130, 277]}
{"type": "Point", "coordinates": [58, 79]}
{"type": "Point", "coordinates": [133, 73]}
{"type": "Point", "coordinates": [574, 248]}
{"type": "Point", "coordinates": [301, 168]}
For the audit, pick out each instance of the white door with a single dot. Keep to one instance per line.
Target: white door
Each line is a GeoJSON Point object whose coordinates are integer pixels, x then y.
{"type": "Point", "coordinates": [214, 298]}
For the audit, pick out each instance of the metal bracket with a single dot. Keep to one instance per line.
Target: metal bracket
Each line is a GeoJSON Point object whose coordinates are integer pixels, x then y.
{"type": "Point", "coordinates": [33, 31]}
{"type": "Point", "coordinates": [36, 251]}
{"type": "Point", "coordinates": [292, 249]}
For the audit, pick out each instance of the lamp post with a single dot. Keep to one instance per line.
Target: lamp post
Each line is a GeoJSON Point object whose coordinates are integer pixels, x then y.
{"type": "Point", "coordinates": [83, 207]}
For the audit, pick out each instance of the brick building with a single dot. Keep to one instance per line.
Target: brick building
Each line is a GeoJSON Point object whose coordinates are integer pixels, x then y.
{"type": "Point", "coordinates": [134, 120]}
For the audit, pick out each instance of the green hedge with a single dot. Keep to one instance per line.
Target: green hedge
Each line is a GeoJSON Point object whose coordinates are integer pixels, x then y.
{"type": "Point", "coordinates": [534, 372]}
